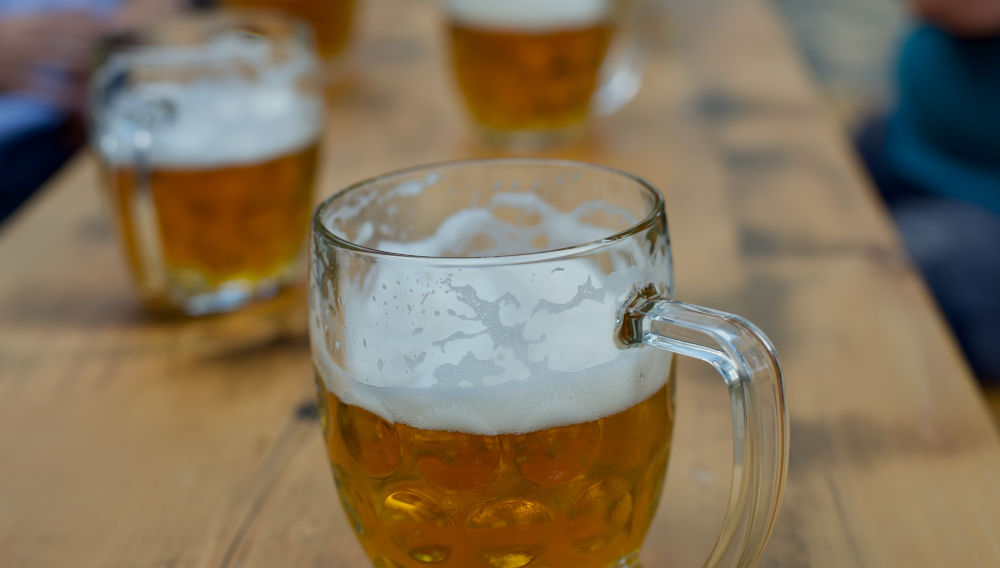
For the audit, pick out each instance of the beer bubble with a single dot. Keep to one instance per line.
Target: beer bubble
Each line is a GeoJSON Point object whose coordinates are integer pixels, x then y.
{"type": "Point", "coordinates": [515, 512]}
{"type": "Point", "coordinates": [353, 502]}
{"type": "Point", "coordinates": [557, 455]}
{"type": "Point", "coordinates": [513, 525]}
{"type": "Point", "coordinates": [454, 460]}
{"type": "Point", "coordinates": [370, 440]}
{"type": "Point", "coordinates": [418, 526]}
{"type": "Point", "coordinates": [601, 513]}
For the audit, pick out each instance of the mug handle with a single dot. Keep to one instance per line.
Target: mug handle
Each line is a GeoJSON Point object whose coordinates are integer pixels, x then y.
{"type": "Point", "coordinates": [142, 123]}
{"type": "Point", "coordinates": [747, 361]}
{"type": "Point", "coordinates": [621, 73]}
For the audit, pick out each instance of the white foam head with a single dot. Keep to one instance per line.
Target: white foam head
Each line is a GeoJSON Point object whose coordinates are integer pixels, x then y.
{"type": "Point", "coordinates": [528, 14]}
{"type": "Point", "coordinates": [213, 122]}
{"type": "Point", "coordinates": [487, 349]}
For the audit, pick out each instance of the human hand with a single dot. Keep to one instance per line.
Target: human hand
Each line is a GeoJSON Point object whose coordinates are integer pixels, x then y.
{"type": "Point", "coordinates": [965, 18]}
{"type": "Point", "coordinates": [47, 55]}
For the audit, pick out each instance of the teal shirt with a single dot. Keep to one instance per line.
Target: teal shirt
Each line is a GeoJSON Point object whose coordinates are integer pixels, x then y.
{"type": "Point", "coordinates": [945, 134]}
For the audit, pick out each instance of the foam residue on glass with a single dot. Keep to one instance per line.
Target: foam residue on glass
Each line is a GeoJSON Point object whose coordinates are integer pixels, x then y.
{"type": "Point", "coordinates": [493, 347]}
{"type": "Point", "coordinates": [497, 237]}
{"type": "Point", "coordinates": [248, 109]}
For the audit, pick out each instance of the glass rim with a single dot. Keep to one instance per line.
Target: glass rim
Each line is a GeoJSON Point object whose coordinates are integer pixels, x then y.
{"type": "Point", "coordinates": [137, 46]}
{"type": "Point", "coordinates": [656, 210]}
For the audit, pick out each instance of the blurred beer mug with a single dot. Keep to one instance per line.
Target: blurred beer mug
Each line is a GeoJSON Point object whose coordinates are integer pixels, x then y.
{"type": "Point", "coordinates": [494, 349]}
{"type": "Point", "coordinates": [332, 22]}
{"type": "Point", "coordinates": [207, 129]}
{"type": "Point", "coordinates": [533, 71]}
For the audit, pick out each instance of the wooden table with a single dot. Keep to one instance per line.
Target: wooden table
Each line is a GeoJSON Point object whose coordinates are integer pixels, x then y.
{"type": "Point", "coordinates": [130, 441]}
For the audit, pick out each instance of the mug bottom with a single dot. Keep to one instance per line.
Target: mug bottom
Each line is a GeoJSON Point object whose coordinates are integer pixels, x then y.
{"type": "Point", "coordinates": [220, 299]}
{"type": "Point", "coordinates": [628, 561]}
{"type": "Point", "coordinates": [228, 297]}
{"type": "Point", "coordinates": [529, 140]}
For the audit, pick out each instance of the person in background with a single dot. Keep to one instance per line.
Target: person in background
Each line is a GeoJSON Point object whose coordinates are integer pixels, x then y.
{"type": "Point", "coordinates": [937, 162]}
{"type": "Point", "coordinates": [46, 48]}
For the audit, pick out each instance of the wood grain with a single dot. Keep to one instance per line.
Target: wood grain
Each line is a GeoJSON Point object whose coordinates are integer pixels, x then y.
{"type": "Point", "coordinates": [131, 441]}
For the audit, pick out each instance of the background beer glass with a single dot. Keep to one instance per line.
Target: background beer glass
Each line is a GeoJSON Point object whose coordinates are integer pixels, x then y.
{"type": "Point", "coordinates": [494, 348]}
{"type": "Point", "coordinates": [331, 20]}
{"type": "Point", "coordinates": [207, 128]}
{"type": "Point", "coordinates": [531, 72]}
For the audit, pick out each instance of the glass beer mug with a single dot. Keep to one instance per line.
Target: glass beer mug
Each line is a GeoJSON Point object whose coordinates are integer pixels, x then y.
{"type": "Point", "coordinates": [532, 72]}
{"type": "Point", "coordinates": [332, 22]}
{"type": "Point", "coordinates": [208, 128]}
{"type": "Point", "coordinates": [494, 347]}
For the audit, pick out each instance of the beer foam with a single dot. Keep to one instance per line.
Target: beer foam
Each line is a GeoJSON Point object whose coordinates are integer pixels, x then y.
{"type": "Point", "coordinates": [528, 14]}
{"type": "Point", "coordinates": [482, 347]}
{"type": "Point", "coordinates": [211, 122]}
{"type": "Point", "coordinates": [498, 238]}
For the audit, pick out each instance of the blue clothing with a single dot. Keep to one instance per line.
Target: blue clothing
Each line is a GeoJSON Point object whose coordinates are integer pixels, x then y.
{"type": "Point", "coordinates": [937, 163]}
{"type": "Point", "coordinates": [20, 114]}
{"type": "Point", "coordinates": [945, 134]}
{"type": "Point", "coordinates": [33, 133]}
{"type": "Point", "coordinates": [957, 246]}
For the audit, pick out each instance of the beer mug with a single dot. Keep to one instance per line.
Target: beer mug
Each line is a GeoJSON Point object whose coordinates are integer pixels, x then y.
{"type": "Point", "coordinates": [332, 22]}
{"type": "Point", "coordinates": [494, 349]}
{"type": "Point", "coordinates": [207, 129]}
{"type": "Point", "coordinates": [531, 72]}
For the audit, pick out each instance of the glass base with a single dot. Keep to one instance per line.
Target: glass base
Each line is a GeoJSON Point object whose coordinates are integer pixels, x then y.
{"type": "Point", "coordinates": [228, 297]}
{"type": "Point", "coordinates": [223, 298]}
{"type": "Point", "coordinates": [188, 291]}
{"type": "Point", "coordinates": [257, 323]}
{"type": "Point", "coordinates": [630, 561]}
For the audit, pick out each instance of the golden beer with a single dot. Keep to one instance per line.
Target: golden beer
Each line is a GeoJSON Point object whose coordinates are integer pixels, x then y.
{"type": "Point", "coordinates": [331, 20]}
{"type": "Point", "coordinates": [230, 223]}
{"type": "Point", "coordinates": [515, 80]}
{"type": "Point", "coordinates": [580, 495]}
{"type": "Point", "coordinates": [534, 70]}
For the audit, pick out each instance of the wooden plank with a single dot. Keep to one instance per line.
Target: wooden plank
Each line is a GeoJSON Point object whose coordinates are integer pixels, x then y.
{"type": "Point", "coordinates": [127, 440]}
